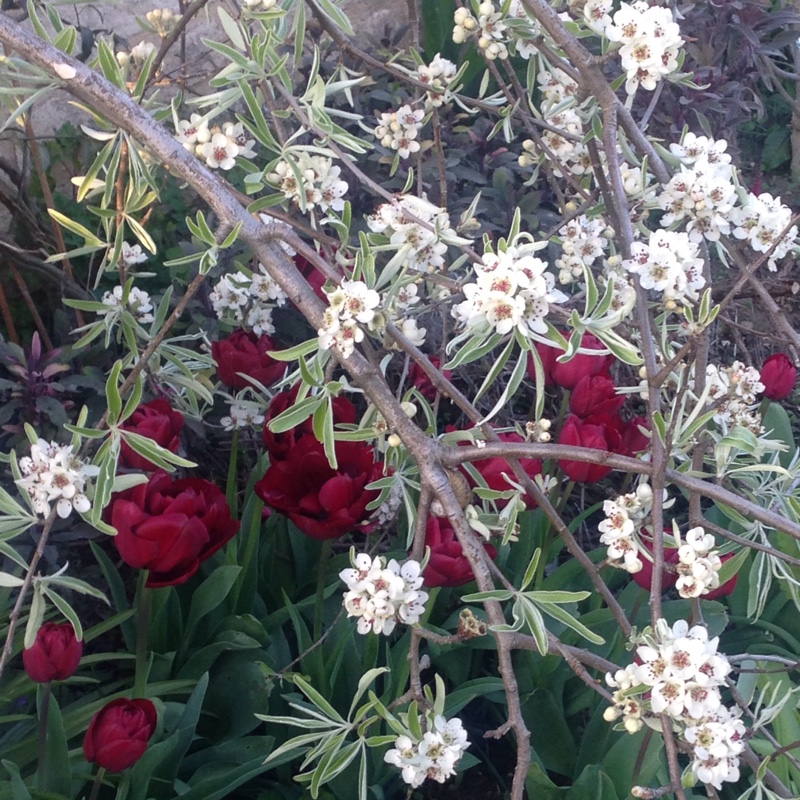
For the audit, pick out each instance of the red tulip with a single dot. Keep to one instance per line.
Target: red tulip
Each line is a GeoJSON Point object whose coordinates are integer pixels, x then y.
{"type": "Point", "coordinates": [119, 732]}
{"type": "Point", "coordinates": [779, 376]}
{"type": "Point", "coordinates": [595, 394]}
{"type": "Point", "coordinates": [598, 433]}
{"type": "Point", "coordinates": [567, 375]}
{"type": "Point", "coordinates": [322, 502]}
{"type": "Point", "coordinates": [645, 576]}
{"type": "Point", "coordinates": [633, 440]}
{"type": "Point", "coordinates": [55, 654]}
{"type": "Point", "coordinates": [448, 566]}
{"type": "Point", "coordinates": [246, 353]}
{"type": "Point", "coordinates": [169, 527]}
{"type": "Point", "coordinates": [157, 421]}
{"type": "Point", "coordinates": [279, 444]}
{"type": "Point", "coordinates": [492, 469]}
{"type": "Point", "coordinates": [726, 588]}
{"type": "Point", "coordinates": [418, 378]}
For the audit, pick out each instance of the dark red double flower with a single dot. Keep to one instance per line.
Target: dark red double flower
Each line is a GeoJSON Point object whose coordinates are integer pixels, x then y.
{"type": "Point", "coordinates": [170, 526]}
{"type": "Point", "coordinates": [279, 444]}
{"type": "Point", "coordinates": [156, 420]}
{"type": "Point", "coordinates": [447, 566]}
{"type": "Point", "coordinates": [55, 654]}
{"type": "Point", "coordinates": [248, 354]}
{"type": "Point", "coordinates": [119, 732]}
{"type": "Point", "coordinates": [322, 502]}
{"type": "Point", "coordinates": [779, 376]}
{"type": "Point", "coordinates": [567, 375]}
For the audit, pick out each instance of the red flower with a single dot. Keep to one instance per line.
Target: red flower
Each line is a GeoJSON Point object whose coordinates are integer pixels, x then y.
{"type": "Point", "coordinates": [779, 376]}
{"type": "Point", "coordinates": [246, 353]}
{"type": "Point", "coordinates": [157, 421]}
{"type": "Point", "coordinates": [448, 566]}
{"type": "Point", "coordinates": [170, 526]}
{"type": "Point", "coordinates": [567, 375]}
{"type": "Point", "coordinates": [633, 440]}
{"type": "Point", "coordinates": [645, 576]}
{"type": "Point", "coordinates": [418, 378]}
{"type": "Point", "coordinates": [322, 502]}
{"type": "Point", "coordinates": [598, 433]}
{"type": "Point", "coordinates": [119, 732]}
{"type": "Point", "coordinates": [314, 277]}
{"type": "Point", "coordinates": [727, 587]}
{"type": "Point", "coordinates": [279, 444]}
{"type": "Point", "coordinates": [595, 394]}
{"type": "Point", "coordinates": [492, 469]}
{"type": "Point", "coordinates": [55, 654]}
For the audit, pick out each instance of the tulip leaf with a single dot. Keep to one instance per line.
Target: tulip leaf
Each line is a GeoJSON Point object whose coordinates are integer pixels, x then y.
{"type": "Point", "coordinates": [18, 788]}
{"type": "Point", "coordinates": [208, 596]}
{"type": "Point", "coordinates": [54, 773]}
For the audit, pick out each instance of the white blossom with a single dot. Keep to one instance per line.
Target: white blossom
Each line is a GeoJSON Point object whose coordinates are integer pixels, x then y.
{"type": "Point", "coordinates": [320, 187]}
{"type": "Point", "coordinates": [242, 415]}
{"type": "Point", "coordinates": [53, 474]}
{"type": "Point", "coordinates": [139, 304]}
{"type": "Point", "coordinates": [398, 130]}
{"type": "Point", "coordinates": [220, 152]}
{"type": "Point", "coordinates": [380, 595]}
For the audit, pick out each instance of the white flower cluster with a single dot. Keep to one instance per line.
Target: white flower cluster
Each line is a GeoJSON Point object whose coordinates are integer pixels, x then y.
{"type": "Point", "coordinates": [761, 220]}
{"type": "Point", "coordinates": [511, 290]}
{"type": "Point", "coordinates": [53, 474]}
{"type": "Point", "coordinates": [681, 671]}
{"type": "Point", "coordinates": [421, 247]}
{"type": "Point", "coordinates": [398, 130]}
{"type": "Point", "coordinates": [735, 389]}
{"type": "Point", "coordinates": [488, 27]}
{"type": "Point", "coordinates": [623, 296]}
{"type": "Point", "coordinates": [434, 756]}
{"type": "Point", "coordinates": [247, 300]}
{"type": "Point", "coordinates": [583, 242]}
{"type": "Point", "coordinates": [650, 40]}
{"type": "Point", "coordinates": [219, 146]}
{"type": "Point", "coordinates": [702, 191]}
{"type": "Point", "coordinates": [242, 415]}
{"type": "Point", "coordinates": [698, 564]}
{"type": "Point", "coordinates": [321, 186]}
{"type": "Point", "coordinates": [139, 304]}
{"type": "Point", "coordinates": [438, 75]}
{"type": "Point", "coordinates": [624, 519]}
{"type": "Point", "coordinates": [348, 304]}
{"type": "Point", "coordinates": [380, 595]}
{"type": "Point", "coordinates": [668, 263]}
{"type": "Point", "coordinates": [566, 141]}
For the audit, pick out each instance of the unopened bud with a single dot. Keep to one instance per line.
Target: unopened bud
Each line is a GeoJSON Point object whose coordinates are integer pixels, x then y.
{"type": "Point", "coordinates": [394, 440]}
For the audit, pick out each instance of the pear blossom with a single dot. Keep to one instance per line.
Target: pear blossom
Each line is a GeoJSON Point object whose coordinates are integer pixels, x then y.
{"type": "Point", "coordinates": [380, 595]}
{"type": "Point", "coordinates": [51, 473]}
{"type": "Point", "coordinates": [139, 304]}
{"type": "Point", "coordinates": [220, 152]}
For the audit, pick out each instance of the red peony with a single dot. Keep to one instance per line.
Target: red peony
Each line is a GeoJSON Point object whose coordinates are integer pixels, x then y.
{"type": "Point", "coordinates": [55, 654]}
{"type": "Point", "coordinates": [598, 433]}
{"type": "Point", "coordinates": [170, 526]}
{"type": "Point", "coordinates": [779, 376]}
{"type": "Point", "coordinates": [246, 353]}
{"type": "Point", "coordinates": [119, 732]}
{"type": "Point", "coordinates": [157, 421]}
{"type": "Point", "coordinates": [322, 502]}
{"type": "Point", "coordinates": [279, 444]}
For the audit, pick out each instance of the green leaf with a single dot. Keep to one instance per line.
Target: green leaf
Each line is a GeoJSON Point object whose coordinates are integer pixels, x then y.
{"type": "Point", "coordinates": [113, 399]}
{"type": "Point", "coordinates": [154, 452]}
{"type": "Point", "coordinates": [55, 773]}
{"type": "Point", "coordinates": [317, 699]}
{"type": "Point", "coordinates": [563, 616]}
{"type": "Point", "coordinates": [531, 570]}
{"type": "Point", "coordinates": [208, 596]}
{"type": "Point", "coordinates": [76, 227]}
{"type": "Point", "coordinates": [231, 29]}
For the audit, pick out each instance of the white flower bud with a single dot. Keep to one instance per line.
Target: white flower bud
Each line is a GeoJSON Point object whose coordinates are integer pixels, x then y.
{"type": "Point", "coordinates": [394, 440]}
